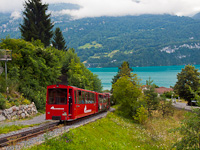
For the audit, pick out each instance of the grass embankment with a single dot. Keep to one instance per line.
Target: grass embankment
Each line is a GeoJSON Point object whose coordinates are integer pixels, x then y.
{"type": "Point", "coordinates": [9, 128]}
{"type": "Point", "coordinates": [117, 132]}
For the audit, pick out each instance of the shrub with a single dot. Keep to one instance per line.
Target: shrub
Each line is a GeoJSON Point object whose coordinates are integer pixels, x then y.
{"type": "Point", "coordinates": [2, 102]}
{"type": "Point", "coordinates": [141, 115]}
{"type": "Point", "coordinates": [7, 105]}
{"type": "Point", "coordinates": [166, 107]}
{"type": "Point", "coordinates": [190, 129]}
{"type": "Point", "coordinates": [26, 102]}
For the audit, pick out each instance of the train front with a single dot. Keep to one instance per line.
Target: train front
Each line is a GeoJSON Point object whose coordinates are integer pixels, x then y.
{"type": "Point", "coordinates": [57, 106]}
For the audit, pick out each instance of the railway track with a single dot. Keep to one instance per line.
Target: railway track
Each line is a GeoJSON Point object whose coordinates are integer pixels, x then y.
{"type": "Point", "coordinates": [13, 139]}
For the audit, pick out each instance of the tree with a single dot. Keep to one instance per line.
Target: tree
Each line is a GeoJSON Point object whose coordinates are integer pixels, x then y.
{"type": "Point", "coordinates": [150, 97]}
{"type": "Point", "coordinates": [123, 70]}
{"type": "Point", "coordinates": [126, 93]}
{"type": "Point", "coordinates": [188, 80]}
{"type": "Point", "coordinates": [58, 40]}
{"type": "Point", "coordinates": [36, 24]}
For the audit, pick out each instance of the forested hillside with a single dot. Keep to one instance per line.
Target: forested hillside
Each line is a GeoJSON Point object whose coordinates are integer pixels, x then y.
{"type": "Point", "coordinates": [33, 67]}
{"type": "Point", "coordinates": [145, 40]}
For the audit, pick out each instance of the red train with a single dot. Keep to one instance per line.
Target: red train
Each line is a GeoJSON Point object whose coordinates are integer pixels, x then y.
{"type": "Point", "coordinates": [68, 103]}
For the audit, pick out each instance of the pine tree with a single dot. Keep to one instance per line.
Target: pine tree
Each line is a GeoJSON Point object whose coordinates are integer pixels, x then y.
{"type": "Point", "coordinates": [58, 40]}
{"type": "Point", "coordinates": [36, 24]}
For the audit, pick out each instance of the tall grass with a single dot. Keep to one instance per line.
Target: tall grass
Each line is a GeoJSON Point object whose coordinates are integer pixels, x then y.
{"type": "Point", "coordinates": [119, 133]}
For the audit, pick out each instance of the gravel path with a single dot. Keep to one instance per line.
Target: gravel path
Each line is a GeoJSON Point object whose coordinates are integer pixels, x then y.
{"type": "Point", "coordinates": [35, 120]}
{"type": "Point", "coordinates": [41, 138]}
{"type": "Point", "coordinates": [183, 106]}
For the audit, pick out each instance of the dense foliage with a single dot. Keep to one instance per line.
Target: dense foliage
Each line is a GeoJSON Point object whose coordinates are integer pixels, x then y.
{"type": "Point", "coordinates": [126, 93]}
{"type": "Point", "coordinates": [33, 67]}
{"type": "Point", "coordinates": [188, 79]}
{"type": "Point", "coordinates": [36, 23]}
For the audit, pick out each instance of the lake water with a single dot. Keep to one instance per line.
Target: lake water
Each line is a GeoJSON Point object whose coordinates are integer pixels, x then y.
{"type": "Point", "coordinates": [161, 75]}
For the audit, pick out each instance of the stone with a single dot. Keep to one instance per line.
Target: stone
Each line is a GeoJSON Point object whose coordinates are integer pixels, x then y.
{"type": "Point", "coordinates": [8, 117]}
{"type": "Point", "coordinates": [19, 112]}
{"type": "Point", "coordinates": [14, 108]}
{"type": "Point", "coordinates": [14, 117]}
{"type": "Point", "coordinates": [9, 111]}
{"type": "Point", "coordinates": [2, 118]}
{"type": "Point", "coordinates": [14, 113]}
{"type": "Point", "coordinates": [23, 115]}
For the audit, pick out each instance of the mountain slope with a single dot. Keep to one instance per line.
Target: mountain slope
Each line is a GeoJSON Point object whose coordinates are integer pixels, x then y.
{"type": "Point", "coordinates": [107, 41]}
{"type": "Point", "coordinates": [146, 40]}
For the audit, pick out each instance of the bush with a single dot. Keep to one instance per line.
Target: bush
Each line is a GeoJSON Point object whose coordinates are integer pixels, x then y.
{"type": "Point", "coordinates": [126, 93]}
{"type": "Point", "coordinates": [166, 107]}
{"type": "Point", "coordinates": [7, 105]}
{"type": "Point", "coordinates": [26, 102]}
{"type": "Point", "coordinates": [2, 102]}
{"type": "Point", "coordinates": [190, 129]}
{"type": "Point", "coordinates": [141, 115]}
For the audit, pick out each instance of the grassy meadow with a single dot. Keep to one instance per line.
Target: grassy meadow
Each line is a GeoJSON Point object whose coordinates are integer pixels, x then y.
{"type": "Point", "coordinates": [119, 133]}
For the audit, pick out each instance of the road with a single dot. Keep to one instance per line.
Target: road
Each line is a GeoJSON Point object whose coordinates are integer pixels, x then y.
{"type": "Point", "coordinates": [184, 106]}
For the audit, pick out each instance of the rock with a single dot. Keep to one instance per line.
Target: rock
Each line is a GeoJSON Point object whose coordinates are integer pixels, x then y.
{"type": "Point", "coordinates": [1, 112]}
{"type": "Point", "coordinates": [19, 112]}
{"type": "Point", "coordinates": [2, 118]}
{"type": "Point", "coordinates": [14, 117]}
{"type": "Point", "coordinates": [8, 117]}
{"type": "Point", "coordinates": [23, 115]}
{"type": "Point", "coordinates": [14, 108]}
{"type": "Point", "coordinates": [14, 113]}
{"type": "Point", "coordinates": [9, 111]}
{"type": "Point", "coordinates": [27, 115]}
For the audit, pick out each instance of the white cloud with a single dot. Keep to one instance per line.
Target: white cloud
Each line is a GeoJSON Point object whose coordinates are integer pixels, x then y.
{"type": "Point", "coordinates": [15, 15]}
{"type": "Point", "coordinates": [96, 8]}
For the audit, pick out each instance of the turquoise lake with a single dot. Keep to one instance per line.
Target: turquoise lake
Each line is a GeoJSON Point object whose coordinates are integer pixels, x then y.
{"type": "Point", "coordinates": [161, 75]}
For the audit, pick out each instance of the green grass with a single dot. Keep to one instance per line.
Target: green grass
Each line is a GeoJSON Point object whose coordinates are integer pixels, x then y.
{"type": "Point", "coordinates": [9, 128]}
{"type": "Point", "coordinates": [112, 53]}
{"type": "Point", "coordinates": [90, 45]}
{"type": "Point", "coordinates": [118, 133]}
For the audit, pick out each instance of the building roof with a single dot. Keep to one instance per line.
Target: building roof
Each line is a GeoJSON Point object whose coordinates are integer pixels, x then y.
{"type": "Point", "coordinates": [162, 90]}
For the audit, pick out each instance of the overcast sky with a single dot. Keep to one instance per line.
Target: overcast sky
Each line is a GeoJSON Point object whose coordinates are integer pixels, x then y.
{"type": "Point", "coordinates": [96, 8]}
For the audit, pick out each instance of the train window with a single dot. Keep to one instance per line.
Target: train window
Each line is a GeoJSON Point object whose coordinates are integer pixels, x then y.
{"type": "Point", "coordinates": [100, 98]}
{"type": "Point", "coordinates": [92, 97]}
{"type": "Point", "coordinates": [83, 97]}
{"type": "Point", "coordinates": [57, 96]}
{"type": "Point", "coordinates": [86, 97]}
{"type": "Point", "coordinates": [75, 97]}
{"type": "Point", "coordinates": [79, 97]}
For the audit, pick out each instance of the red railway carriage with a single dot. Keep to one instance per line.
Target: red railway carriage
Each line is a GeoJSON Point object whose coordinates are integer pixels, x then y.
{"type": "Point", "coordinates": [69, 103]}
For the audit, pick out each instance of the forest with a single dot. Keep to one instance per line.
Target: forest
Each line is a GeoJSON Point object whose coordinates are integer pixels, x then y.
{"type": "Point", "coordinates": [108, 41]}
{"type": "Point", "coordinates": [33, 67]}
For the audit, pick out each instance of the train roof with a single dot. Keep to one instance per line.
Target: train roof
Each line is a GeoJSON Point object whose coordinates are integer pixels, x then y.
{"type": "Point", "coordinates": [67, 86]}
